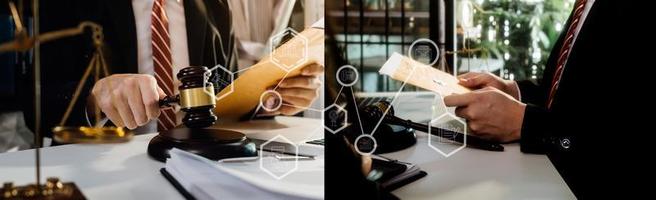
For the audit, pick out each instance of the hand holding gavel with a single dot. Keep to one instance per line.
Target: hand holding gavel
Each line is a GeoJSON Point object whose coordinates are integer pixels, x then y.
{"type": "Point", "coordinates": [128, 100]}
{"type": "Point", "coordinates": [132, 100]}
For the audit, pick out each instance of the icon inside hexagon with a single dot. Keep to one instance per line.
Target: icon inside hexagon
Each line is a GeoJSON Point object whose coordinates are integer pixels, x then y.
{"type": "Point", "coordinates": [424, 51]}
{"type": "Point", "coordinates": [443, 140]}
{"type": "Point", "coordinates": [292, 53]}
{"type": "Point", "coordinates": [335, 118]}
{"type": "Point", "coordinates": [365, 144]}
{"type": "Point", "coordinates": [347, 75]}
{"type": "Point", "coordinates": [225, 78]}
{"type": "Point", "coordinates": [271, 160]}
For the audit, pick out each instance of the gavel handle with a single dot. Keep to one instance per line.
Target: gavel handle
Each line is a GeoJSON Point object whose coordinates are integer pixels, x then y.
{"type": "Point", "coordinates": [168, 101]}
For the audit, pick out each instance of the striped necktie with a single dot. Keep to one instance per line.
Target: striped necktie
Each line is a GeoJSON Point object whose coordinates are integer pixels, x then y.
{"type": "Point", "coordinates": [162, 61]}
{"type": "Point", "coordinates": [565, 49]}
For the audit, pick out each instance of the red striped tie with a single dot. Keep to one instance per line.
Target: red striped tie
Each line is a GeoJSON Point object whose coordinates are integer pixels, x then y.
{"type": "Point", "coordinates": [162, 60]}
{"type": "Point", "coordinates": [564, 50]}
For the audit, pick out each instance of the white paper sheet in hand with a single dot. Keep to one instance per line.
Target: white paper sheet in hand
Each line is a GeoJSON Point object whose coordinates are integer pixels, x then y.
{"type": "Point", "coordinates": [206, 179]}
{"type": "Point", "coordinates": [402, 68]}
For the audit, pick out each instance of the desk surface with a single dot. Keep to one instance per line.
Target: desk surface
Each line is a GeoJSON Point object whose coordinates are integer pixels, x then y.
{"type": "Point", "coordinates": [472, 173]}
{"type": "Point", "coordinates": [478, 174]}
{"type": "Point", "coordinates": [123, 171]}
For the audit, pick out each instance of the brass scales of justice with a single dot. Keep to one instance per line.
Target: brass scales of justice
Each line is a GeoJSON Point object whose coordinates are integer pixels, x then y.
{"type": "Point", "coordinates": [54, 188]}
{"type": "Point", "coordinates": [196, 99]}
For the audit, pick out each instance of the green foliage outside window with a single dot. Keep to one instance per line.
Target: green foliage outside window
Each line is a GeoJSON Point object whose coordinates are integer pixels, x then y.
{"type": "Point", "coordinates": [521, 32]}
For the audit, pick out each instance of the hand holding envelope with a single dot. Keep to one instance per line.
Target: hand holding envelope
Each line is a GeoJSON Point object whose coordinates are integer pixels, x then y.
{"type": "Point", "coordinates": [244, 93]}
{"type": "Point", "coordinates": [490, 112]}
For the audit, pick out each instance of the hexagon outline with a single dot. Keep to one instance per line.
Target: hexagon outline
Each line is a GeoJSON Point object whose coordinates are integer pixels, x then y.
{"type": "Point", "coordinates": [464, 143]}
{"type": "Point", "coordinates": [232, 79]}
{"type": "Point", "coordinates": [345, 118]}
{"type": "Point", "coordinates": [282, 34]}
{"type": "Point", "coordinates": [295, 160]}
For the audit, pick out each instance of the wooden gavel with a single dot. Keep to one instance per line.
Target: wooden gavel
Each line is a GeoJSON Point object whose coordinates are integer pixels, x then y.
{"type": "Point", "coordinates": [196, 97]}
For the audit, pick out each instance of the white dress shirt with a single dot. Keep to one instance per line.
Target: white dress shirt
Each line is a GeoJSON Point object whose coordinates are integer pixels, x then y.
{"type": "Point", "coordinates": [178, 37]}
{"type": "Point", "coordinates": [254, 23]}
{"type": "Point", "coordinates": [177, 33]}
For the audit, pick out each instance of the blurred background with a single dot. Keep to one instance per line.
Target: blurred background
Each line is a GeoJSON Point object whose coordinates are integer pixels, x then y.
{"type": "Point", "coordinates": [510, 38]}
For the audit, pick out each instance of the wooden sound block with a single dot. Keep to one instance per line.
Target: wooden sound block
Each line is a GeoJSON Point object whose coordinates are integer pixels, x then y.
{"type": "Point", "coordinates": [214, 144]}
{"type": "Point", "coordinates": [52, 190]}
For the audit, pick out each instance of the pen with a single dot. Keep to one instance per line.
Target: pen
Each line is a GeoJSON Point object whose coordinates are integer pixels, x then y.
{"type": "Point", "coordinates": [472, 141]}
{"type": "Point", "coordinates": [254, 158]}
{"type": "Point", "coordinates": [292, 158]}
{"type": "Point", "coordinates": [239, 159]}
{"type": "Point", "coordinates": [286, 153]}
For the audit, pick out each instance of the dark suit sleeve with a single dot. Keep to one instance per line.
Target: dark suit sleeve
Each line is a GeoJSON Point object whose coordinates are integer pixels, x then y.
{"type": "Point", "coordinates": [222, 49]}
{"type": "Point", "coordinates": [538, 126]}
{"type": "Point", "coordinates": [533, 138]}
{"type": "Point", "coordinates": [531, 92]}
{"type": "Point", "coordinates": [543, 132]}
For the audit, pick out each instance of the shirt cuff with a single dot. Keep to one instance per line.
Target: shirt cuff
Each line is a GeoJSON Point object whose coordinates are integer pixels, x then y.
{"type": "Point", "coordinates": [519, 92]}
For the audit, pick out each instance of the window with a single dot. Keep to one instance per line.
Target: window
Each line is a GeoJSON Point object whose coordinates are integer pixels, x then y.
{"type": "Point", "coordinates": [511, 38]}
{"type": "Point", "coordinates": [371, 30]}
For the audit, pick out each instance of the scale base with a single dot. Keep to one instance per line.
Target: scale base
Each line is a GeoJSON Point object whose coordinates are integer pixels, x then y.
{"type": "Point", "coordinates": [214, 144]}
{"type": "Point", "coordinates": [53, 189]}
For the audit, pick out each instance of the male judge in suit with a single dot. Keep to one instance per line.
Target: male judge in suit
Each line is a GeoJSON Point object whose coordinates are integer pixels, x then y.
{"type": "Point", "coordinates": [147, 42]}
{"type": "Point", "coordinates": [552, 116]}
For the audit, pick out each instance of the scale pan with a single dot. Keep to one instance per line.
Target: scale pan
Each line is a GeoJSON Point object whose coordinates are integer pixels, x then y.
{"type": "Point", "coordinates": [91, 135]}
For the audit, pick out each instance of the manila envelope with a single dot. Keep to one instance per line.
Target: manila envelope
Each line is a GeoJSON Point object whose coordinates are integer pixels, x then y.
{"type": "Point", "coordinates": [402, 68]}
{"type": "Point", "coordinates": [245, 95]}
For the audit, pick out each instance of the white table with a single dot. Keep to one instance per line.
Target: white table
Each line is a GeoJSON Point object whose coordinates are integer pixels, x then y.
{"type": "Point", "coordinates": [478, 174]}
{"type": "Point", "coordinates": [471, 173]}
{"type": "Point", "coordinates": [125, 171]}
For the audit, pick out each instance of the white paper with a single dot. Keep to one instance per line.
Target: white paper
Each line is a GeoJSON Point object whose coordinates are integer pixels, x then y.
{"type": "Point", "coordinates": [206, 179]}
{"type": "Point", "coordinates": [402, 68]}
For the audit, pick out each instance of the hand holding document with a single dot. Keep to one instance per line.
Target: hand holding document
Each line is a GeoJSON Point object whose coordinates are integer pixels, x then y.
{"type": "Point", "coordinates": [402, 68]}
{"type": "Point", "coordinates": [243, 95]}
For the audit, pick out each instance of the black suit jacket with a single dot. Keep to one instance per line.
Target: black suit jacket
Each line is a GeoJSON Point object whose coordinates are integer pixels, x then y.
{"type": "Point", "coordinates": [64, 61]}
{"type": "Point", "coordinates": [580, 132]}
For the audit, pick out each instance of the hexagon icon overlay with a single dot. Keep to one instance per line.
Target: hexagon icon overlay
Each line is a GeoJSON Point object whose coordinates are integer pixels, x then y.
{"type": "Point", "coordinates": [222, 82]}
{"type": "Point", "coordinates": [269, 161]}
{"type": "Point", "coordinates": [292, 56]}
{"type": "Point", "coordinates": [447, 124]}
{"type": "Point", "coordinates": [335, 118]}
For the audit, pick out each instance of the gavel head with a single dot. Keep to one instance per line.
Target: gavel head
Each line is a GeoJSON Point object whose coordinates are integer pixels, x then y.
{"type": "Point", "coordinates": [197, 97]}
